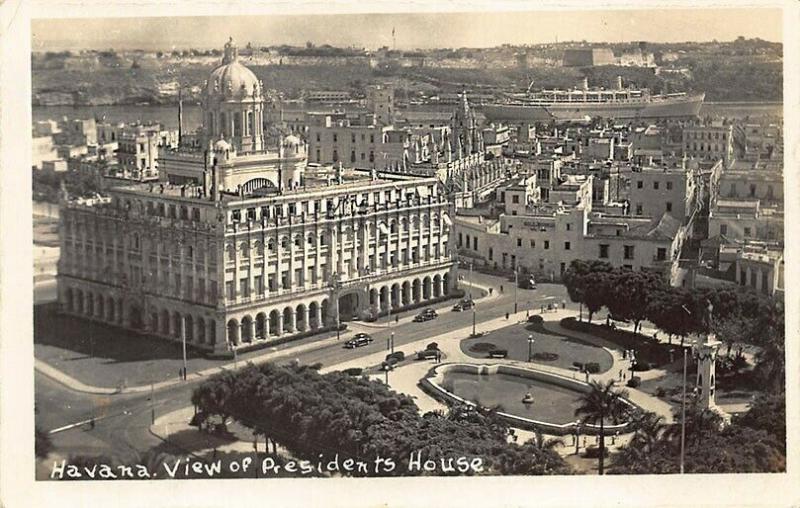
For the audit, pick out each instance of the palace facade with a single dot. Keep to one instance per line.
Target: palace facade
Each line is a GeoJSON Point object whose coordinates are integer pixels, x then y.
{"type": "Point", "coordinates": [238, 246]}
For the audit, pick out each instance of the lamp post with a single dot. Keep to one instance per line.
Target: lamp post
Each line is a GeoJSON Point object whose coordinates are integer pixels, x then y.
{"type": "Point", "coordinates": [516, 285]}
{"type": "Point", "coordinates": [530, 347]}
{"type": "Point", "coordinates": [335, 285]}
{"type": "Point", "coordinates": [392, 342]}
{"type": "Point", "coordinates": [183, 343]}
{"type": "Point", "coordinates": [683, 413]}
{"type": "Point", "coordinates": [470, 280]}
{"type": "Point", "coordinates": [577, 436]}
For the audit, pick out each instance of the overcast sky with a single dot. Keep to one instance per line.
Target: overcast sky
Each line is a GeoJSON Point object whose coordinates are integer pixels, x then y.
{"type": "Point", "coordinates": [412, 30]}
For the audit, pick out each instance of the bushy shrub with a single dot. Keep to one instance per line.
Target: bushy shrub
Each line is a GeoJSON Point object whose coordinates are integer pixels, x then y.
{"type": "Point", "coordinates": [353, 371]}
{"type": "Point", "coordinates": [536, 319]}
{"type": "Point", "coordinates": [634, 382]}
{"type": "Point", "coordinates": [398, 356]}
{"type": "Point", "coordinates": [432, 346]}
{"type": "Point", "coordinates": [482, 347]}
{"type": "Point", "coordinates": [593, 452]}
{"type": "Point", "coordinates": [498, 353]}
{"type": "Point", "coordinates": [545, 357]}
{"type": "Point", "coordinates": [641, 366]}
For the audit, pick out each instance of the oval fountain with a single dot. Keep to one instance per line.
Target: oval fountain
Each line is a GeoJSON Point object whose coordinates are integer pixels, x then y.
{"type": "Point", "coordinates": [528, 399]}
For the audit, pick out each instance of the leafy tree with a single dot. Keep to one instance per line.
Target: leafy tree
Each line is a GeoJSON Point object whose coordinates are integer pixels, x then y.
{"type": "Point", "coordinates": [596, 289]}
{"type": "Point", "coordinates": [575, 280]}
{"type": "Point", "coordinates": [602, 402]}
{"type": "Point", "coordinates": [630, 294]}
{"type": "Point", "coordinates": [767, 413]}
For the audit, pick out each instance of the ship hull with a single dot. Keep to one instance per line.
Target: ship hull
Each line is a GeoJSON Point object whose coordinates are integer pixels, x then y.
{"type": "Point", "coordinates": [684, 107]}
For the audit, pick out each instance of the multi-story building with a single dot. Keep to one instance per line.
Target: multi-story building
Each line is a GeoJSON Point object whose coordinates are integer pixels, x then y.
{"type": "Point", "coordinates": [138, 152]}
{"type": "Point", "coordinates": [760, 267]}
{"type": "Point", "coordinates": [380, 102]}
{"type": "Point", "coordinates": [744, 220]}
{"type": "Point", "coordinates": [654, 191]}
{"type": "Point", "coordinates": [230, 251]}
{"type": "Point", "coordinates": [709, 141]}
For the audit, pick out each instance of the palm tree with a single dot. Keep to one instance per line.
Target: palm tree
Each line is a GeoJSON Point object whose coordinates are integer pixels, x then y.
{"type": "Point", "coordinates": [602, 402]}
{"type": "Point", "coordinates": [650, 430]}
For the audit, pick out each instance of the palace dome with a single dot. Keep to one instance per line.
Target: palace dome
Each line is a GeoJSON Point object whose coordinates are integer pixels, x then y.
{"type": "Point", "coordinates": [232, 80]}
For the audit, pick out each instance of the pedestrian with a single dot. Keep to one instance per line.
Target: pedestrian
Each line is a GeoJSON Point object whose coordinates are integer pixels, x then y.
{"type": "Point", "coordinates": [506, 315]}
{"type": "Point", "coordinates": [620, 374]}
{"type": "Point", "coordinates": [91, 423]}
{"type": "Point", "coordinates": [527, 314]}
{"type": "Point", "coordinates": [624, 354]}
{"type": "Point", "coordinates": [396, 318]}
{"type": "Point", "coordinates": [501, 288]}
{"type": "Point", "coordinates": [624, 376]}
{"type": "Point", "coordinates": [587, 376]}
{"type": "Point", "coordinates": [563, 304]}
{"type": "Point", "coordinates": [491, 290]}
{"type": "Point", "coordinates": [438, 357]}
{"type": "Point", "coordinates": [542, 309]}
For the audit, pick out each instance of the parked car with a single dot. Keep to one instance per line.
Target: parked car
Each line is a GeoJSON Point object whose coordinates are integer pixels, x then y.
{"type": "Point", "coordinates": [527, 283]}
{"type": "Point", "coordinates": [428, 354]}
{"type": "Point", "coordinates": [425, 315]}
{"type": "Point", "coordinates": [463, 305]}
{"type": "Point", "coordinates": [358, 340]}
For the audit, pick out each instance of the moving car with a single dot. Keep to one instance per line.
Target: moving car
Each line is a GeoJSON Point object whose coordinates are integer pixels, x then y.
{"type": "Point", "coordinates": [527, 283]}
{"type": "Point", "coordinates": [463, 305]}
{"type": "Point", "coordinates": [358, 340]}
{"type": "Point", "coordinates": [425, 315]}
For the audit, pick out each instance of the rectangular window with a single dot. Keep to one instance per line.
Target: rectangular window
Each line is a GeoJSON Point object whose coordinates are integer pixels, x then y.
{"type": "Point", "coordinates": [569, 227]}
{"type": "Point", "coordinates": [628, 254]}
{"type": "Point", "coordinates": [638, 209]}
{"type": "Point", "coordinates": [603, 251]}
{"type": "Point", "coordinates": [258, 280]}
{"type": "Point", "coordinates": [669, 206]}
{"type": "Point", "coordinates": [533, 244]}
{"type": "Point", "coordinates": [669, 185]}
{"type": "Point", "coordinates": [640, 184]}
{"type": "Point", "coordinates": [655, 185]}
{"type": "Point", "coordinates": [515, 199]}
{"type": "Point", "coordinates": [475, 243]}
{"type": "Point", "coordinates": [563, 268]}
{"type": "Point", "coordinates": [546, 244]}
{"type": "Point", "coordinates": [229, 289]}
{"type": "Point", "coordinates": [491, 254]}
{"type": "Point", "coordinates": [519, 242]}
{"type": "Point", "coordinates": [566, 245]}
{"type": "Point", "coordinates": [244, 287]}
{"type": "Point", "coordinates": [746, 231]}
{"type": "Point", "coordinates": [723, 229]}
{"type": "Point", "coordinates": [661, 254]}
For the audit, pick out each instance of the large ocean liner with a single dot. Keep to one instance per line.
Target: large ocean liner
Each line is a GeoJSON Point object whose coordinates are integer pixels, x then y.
{"type": "Point", "coordinates": [582, 103]}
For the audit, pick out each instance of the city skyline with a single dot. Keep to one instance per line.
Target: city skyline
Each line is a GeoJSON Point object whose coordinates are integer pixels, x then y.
{"type": "Point", "coordinates": [409, 30]}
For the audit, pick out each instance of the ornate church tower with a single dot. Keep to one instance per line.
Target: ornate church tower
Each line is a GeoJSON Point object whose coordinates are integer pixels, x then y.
{"type": "Point", "coordinates": [464, 127]}
{"type": "Point", "coordinates": [233, 104]}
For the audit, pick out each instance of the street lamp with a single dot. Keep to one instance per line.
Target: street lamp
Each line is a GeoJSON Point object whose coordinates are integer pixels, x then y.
{"type": "Point", "coordinates": [335, 285]}
{"type": "Point", "coordinates": [530, 346]}
{"type": "Point", "coordinates": [516, 285]}
{"type": "Point", "coordinates": [577, 436]}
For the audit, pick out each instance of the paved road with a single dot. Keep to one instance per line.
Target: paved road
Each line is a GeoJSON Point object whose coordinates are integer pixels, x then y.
{"type": "Point", "coordinates": [122, 421]}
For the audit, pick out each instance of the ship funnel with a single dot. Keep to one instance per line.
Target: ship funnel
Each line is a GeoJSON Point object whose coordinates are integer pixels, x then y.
{"type": "Point", "coordinates": [585, 83]}
{"type": "Point", "coordinates": [619, 82]}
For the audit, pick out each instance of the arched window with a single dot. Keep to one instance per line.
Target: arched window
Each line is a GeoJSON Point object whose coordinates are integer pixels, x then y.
{"type": "Point", "coordinates": [285, 242]}
{"type": "Point", "coordinates": [245, 248]}
{"type": "Point", "coordinates": [271, 245]}
{"type": "Point", "coordinates": [311, 239]}
{"type": "Point", "coordinates": [230, 252]}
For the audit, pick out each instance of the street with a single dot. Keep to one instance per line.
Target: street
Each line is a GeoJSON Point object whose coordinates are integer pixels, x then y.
{"type": "Point", "coordinates": [122, 421]}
